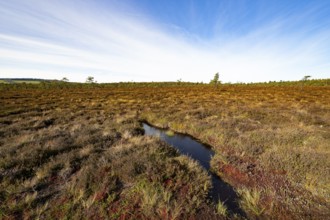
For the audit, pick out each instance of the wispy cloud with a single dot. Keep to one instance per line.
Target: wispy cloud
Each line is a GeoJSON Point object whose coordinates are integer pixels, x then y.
{"type": "Point", "coordinates": [75, 39]}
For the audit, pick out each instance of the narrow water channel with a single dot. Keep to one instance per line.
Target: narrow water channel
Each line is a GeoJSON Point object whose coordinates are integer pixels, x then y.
{"type": "Point", "coordinates": [186, 145]}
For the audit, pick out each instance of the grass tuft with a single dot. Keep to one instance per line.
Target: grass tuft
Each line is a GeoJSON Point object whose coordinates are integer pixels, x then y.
{"type": "Point", "coordinates": [221, 209]}
{"type": "Point", "coordinates": [250, 201]}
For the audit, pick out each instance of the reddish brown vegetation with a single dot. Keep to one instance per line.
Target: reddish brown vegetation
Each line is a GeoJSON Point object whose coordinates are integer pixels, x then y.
{"type": "Point", "coordinates": [78, 152]}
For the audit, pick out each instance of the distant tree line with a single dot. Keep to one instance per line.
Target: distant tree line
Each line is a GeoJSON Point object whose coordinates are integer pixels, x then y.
{"type": "Point", "coordinates": [47, 84]}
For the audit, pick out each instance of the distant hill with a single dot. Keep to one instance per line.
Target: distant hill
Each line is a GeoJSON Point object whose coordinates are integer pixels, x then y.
{"type": "Point", "coordinates": [24, 80]}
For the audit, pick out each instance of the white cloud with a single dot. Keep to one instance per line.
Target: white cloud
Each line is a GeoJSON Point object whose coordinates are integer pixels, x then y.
{"type": "Point", "coordinates": [50, 39]}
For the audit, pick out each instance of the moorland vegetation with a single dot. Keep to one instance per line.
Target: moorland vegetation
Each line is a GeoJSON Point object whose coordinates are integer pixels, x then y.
{"type": "Point", "coordinates": [72, 150]}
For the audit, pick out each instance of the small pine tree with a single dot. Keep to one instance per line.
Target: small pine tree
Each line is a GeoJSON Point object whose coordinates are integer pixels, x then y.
{"type": "Point", "coordinates": [90, 79]}
{"type": "Point", "coordinates": [306, 78]}
{"type": "Point", "coordinates": [303, 80]}
{"type": "Point", "coordinates": [215, 79]}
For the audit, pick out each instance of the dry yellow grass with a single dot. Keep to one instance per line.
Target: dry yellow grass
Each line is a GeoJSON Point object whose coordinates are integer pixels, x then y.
{"type": "Point", "coordinates": [78, 151]}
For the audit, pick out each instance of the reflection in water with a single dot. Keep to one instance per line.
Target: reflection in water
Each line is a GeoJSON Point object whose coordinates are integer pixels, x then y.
{"type": "Point", "coordinates": [197, 151]}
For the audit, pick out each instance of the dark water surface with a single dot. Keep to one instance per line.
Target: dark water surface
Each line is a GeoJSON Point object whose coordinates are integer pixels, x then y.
{"type": "Point", "coordinates": [201, 153]}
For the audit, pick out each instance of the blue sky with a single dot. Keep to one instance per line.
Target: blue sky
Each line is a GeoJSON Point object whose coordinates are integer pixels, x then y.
{"type": "Point", "coordinates": [158, 40]}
